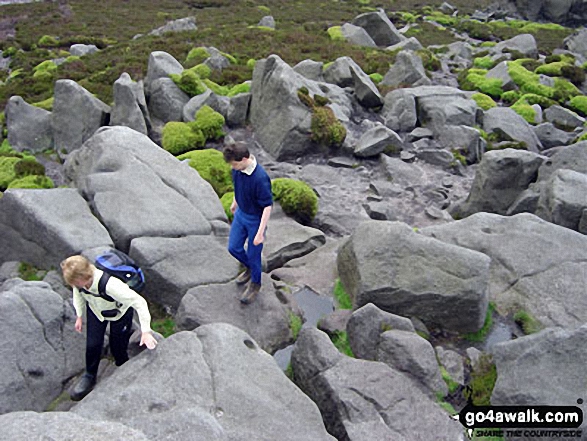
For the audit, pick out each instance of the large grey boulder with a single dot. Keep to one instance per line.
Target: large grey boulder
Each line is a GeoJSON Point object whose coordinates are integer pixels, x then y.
{"type": "Point", "coordinates": [411, 44]}
{"type": "Point", "coordinates": [65, 426]}
{"type": "Point", "coordinates": [310, 69]}
{"type": "Point", "coordinates": [563, 198]}
{"type": "Point", "coordinates": [510, 126]}
{"type": "Point", "coordinates": [550, 136]}
{"type": "Point", "coordinates": [180, 25]}
{"type": "Point", "coordinates": [365, 90]}
{"type": "Point", "coordinates": [357, 35]}
{"type": "Point", "coordinates": [29, 127]}
{"type": "Point", "coordinates": [577, 42]}
{"type": "Point", "coordinates": [456, 111]}
{"type": "Point", "coordinates": [465, 139]}
{"type": "Point", "coordinates": [266, 319]}
{"type": "Point", "coordinates": [160, 65]}
{"type": "Point", "coordinates": [79, 50]}
{"type": "Point", "coordinates": [366, 325]}
{"type": "Point", "coordinates": [213, 384]}
{"type": "Point", "coordinates": [569, 12]}
{"type": "Point", "coordinates": [340, 72]}
{"type": "Point", "coordinates": [407, 70]}
{"type": "Point", "coordinates": [219, 103]}
{"type": "Point", "coordinates": [166, 100]}
{"type": "Point", "coordinates": [268, 21]}
{"type": "Point", "coordinates": [376, 140]}
{"type": "Point", "coordinates": [500, 179]}
{"type": "Point", "coordinates": [501, 72]}
{"type": "Point", "coordinates": [379, 28]}
{"type": "Point", "coordinates": [129, 105]}
{"type": "Point", "coordinates": [573, 157]}
{"type": "Point", "coordinates": [523, 43]}
{"type": "Point", "coordinates": [146, 192]}
{"type": "Point", "coordinates": [76, 115]}
{"type": "Point", "coordinates": [444, 286]}
{"type": "Point", "coordinates": [174, 265]}
{"type": "Point", "coordinates": [43, 227]}
{"type": "Point", "coordinates": [366, 400]}
{"type": "Point", "coordinates": [536, 266]}
{"type": "Point", "coordinates": [563, 117]}
{"type": "Point", "coordinates": [238, 110]}
{"type": "Point", "coordinates": [281, 121]}
{"type": "Point", "coordinates": [40, 349]}
{"type": "Point", "coordinates": [286, 240]}
{"type": "Point", "coordinates": [555, 354]}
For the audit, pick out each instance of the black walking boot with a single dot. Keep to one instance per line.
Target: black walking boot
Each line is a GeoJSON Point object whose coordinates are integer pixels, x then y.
{"type": "Point", "coordinates": [251, 293]}
{"type": "Point", "coordinates": [244, 277]}
{"type": "Point", "coordinates": [83, 387]}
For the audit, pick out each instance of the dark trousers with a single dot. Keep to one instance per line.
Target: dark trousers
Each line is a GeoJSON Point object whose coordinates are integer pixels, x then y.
{"type": "Point", "coordinates": [120, 332]}
{"type": "Point", "coordinates": [244, 228]}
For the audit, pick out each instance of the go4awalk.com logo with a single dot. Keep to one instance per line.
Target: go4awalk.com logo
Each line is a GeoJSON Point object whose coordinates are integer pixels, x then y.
{"type": "Point", "coordinates": [522, 421]}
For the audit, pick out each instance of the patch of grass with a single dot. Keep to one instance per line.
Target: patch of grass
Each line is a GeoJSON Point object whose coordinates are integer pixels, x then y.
{"type": "Point", "coordinates": [30, 273]}
{"type": "Point", "coordinates": [341, 342]}
{"type": "Point", "coordinates": [482, 333]}
{"type": "Point", "coordinates": [289, 372]}
{"type": "Point", "coordinates": [164, 326]}
{"type": "Point", "coordinates": [295, 324]}
{"type": "Point", "coordinates": [482, 381]}
{"type": "Point", "coordinates": [452, 384]}
{"type": "Point", "coordinates": [343, 300]}
{"type": "Point", "coordinates": [527, 322]}
{"type": "Point", "coordinates": [445, 405]}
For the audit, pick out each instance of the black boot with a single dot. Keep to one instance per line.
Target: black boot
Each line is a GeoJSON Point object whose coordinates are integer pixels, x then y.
{"type": "Point", "coordinates": [83, 387]}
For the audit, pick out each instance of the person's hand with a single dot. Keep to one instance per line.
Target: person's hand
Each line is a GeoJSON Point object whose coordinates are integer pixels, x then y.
{"type": "Point", "coordinates": [259, 238]}
{"type": "Point", "coordinates": [148, 340]}
{"type": "Point", "coordinates": [78, 324]}
{"type": "Point", "coordinates": [233, 208]}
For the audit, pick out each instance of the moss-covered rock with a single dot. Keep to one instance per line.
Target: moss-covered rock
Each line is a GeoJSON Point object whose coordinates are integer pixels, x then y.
{"type": "Point", "coordinates": [429, 60]}
{"type": "Point", "coordinates": [525, 110]}
{"type": "Point", "coordinates": [179, 137]}
{"type": "Point", "coordinates": [46, 68]}
{"type": "Point", "coordinates": [45, 104]}
{"type": "Point", "coordinates": [326, 128]}
{"type": "Point", "coordinates": [239, 88]}
{"type": "Point", "coordinates": [376, 77]}
{"type": "Point", "coordinates": [297, 199]}
{"type": "Point", "coordinates": [201, 70]}
{"type": "Point", "coordinates": [197, 55]}
{"type": "Point", "coordinates": [209, 122]}
{"type": "Point", "coordinates": [28, 166]}
{"type": "Point", "coordinates": [211, 166]}
{"type": "Point", "coordinates": [48, 41]}
{"type": "Point", "coordinates": [483, 101]}
{"type": "Point", "coordinates": [551, 69]}
{"type": "Point", "coordinates": [510, 97]}
{"type": "Point", "coordinates": [189, 82]}
{"type": "Point", "coordinates": [489, 86]}
{"type": "Point", "coordinates": [483, 62]}
{"type": "Point", "coordinates": [579, 104]}
{"type": "Point", "coordinates": [32, 181]}
{"type": "Point", "coordinates": [7, 174]}
{"type": "Point", "coordinates": [335, 33]}
{"type": "Point", "coordinates": [226, 201]}
{"type": "Point", "coordinates": [216, 88]}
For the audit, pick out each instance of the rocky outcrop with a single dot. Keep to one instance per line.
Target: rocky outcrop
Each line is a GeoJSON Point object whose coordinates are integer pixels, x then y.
{"type": "Point", "coordinates": [443, 286]}
{"type": "Point", "coordinates": [180, 25]}
{"type": "Point", "coordinates": [40, 349]}
{"type": "Point", "coordinates": [42, 227]}
{"type": "Point", "coordinates": [571, 12]}
{"type": "Point", "coordinates": [160, 65]}
{"type": "Point", "coordinates": [130, 108]}
{"type": "Point", "coordinates": [510, 126]}
{"type": "Point", "coordinates": [29, 127]}
{"type": "Point", "coordinates": [407, 70]}
{"type": "Point", "coordinates": [379, 28]}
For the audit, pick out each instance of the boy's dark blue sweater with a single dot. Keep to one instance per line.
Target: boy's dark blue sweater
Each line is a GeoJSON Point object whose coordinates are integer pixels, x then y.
{"type": "Point", "coordinates": [252, 192]}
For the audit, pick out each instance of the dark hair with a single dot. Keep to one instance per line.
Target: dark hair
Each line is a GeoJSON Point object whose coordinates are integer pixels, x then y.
{"type": "Point", "coordinates": [236, 152]}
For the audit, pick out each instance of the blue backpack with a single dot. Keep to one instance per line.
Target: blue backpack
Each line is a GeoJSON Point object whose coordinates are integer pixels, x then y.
{"type": "Point", "coordinates": [116, 263]}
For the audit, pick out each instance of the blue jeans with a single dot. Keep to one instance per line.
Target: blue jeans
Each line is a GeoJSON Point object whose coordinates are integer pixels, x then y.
{"type": "Point", "coordinates": [245, 226]}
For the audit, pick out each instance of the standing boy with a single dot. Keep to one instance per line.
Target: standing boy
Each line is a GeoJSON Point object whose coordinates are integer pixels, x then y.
{"type": "Point", "coordinates": [251, 208]}
{"type": "Point", "coordinates": [117, 309]}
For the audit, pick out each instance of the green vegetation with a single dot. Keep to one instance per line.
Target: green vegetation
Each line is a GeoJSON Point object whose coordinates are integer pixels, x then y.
{"type": "Point", "coordinates": [28, 272]}
{"type": "Point", "coordinates": [343, 300]}
{"type": "Point", "coordinates": [483, 62]}
{"type": "Point", "coordinates": [289, 372]}
{"type": "Point", "coordinates": [295, 324]}
{"type": "Point", "coordinates": [32, 181]}
{"type": "Point", "coordinates": [445, 405]}
{"type": "Point", "coordinates": [483, 381]}
{"type": "Point", "coordinates": [48, 41]}
{"type": "Point", "coordinates": [209, 122]}
{"type": "Point", "coordinates": [335, 33]}
{"type": "Point", "coordinates": [226, 201]}
{"type": "Point", "coordinates": [482, 333]}
{"type": "Point", "coordinates": [483, 101]}
{"type": "Point", "coordinates": [341, 342]}
{"type": "Point", "coordinates": [210, 164]}
{"type": "Point", "coordinates": [326, 129]}
{"type": "Point", "coordinates": [178, 137]}
{"type": "Point", "coordinates": [452, 384]}
{"type": "Point", "coordinates": [551, 69]}
{"type": "Point", "coordinates": [297, 199]}
{"type": "Point", "coordinates": [197, 55]}
{"type": "Point", "coordinates": [579, 104]}
{"type": "Point", "coordinates": [527, 322]}
{"type": "Point", "coordinates": [525, 110]}
{"type": "Point", "coordinates": [164, 326]}
{"type": "Point", "coordinates": [189, 82]}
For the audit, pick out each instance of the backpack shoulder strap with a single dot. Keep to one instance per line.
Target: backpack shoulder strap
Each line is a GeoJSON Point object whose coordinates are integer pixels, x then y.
{"type": "Point", "coordinates": [102, 286]}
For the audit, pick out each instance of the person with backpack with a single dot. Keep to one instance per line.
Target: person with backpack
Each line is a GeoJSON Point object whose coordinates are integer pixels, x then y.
{"type": "Point", "coordinates": [115, 305]}
{"type": "Point", "coordinates": [251, 207]}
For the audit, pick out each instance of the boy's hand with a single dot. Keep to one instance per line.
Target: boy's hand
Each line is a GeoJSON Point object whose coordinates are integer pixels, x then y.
{"type": "Point", "coordinates": [148, 340]}
{"type": "Point", "coordinates": [78, 324]}
{"type": "Point", "coordinates": [259, 238]}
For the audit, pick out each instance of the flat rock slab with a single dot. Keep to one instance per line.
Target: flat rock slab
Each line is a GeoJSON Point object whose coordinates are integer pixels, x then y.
{"type": "Point", "coordinates": [266, 319]}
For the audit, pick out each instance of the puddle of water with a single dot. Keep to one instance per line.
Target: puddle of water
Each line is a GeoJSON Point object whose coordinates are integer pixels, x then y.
{"type": "Point", "coordinates": [314, 307]}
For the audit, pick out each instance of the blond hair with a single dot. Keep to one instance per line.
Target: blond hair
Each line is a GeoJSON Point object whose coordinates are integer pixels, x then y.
{"type": "Point", "coordinates": [75, 268]}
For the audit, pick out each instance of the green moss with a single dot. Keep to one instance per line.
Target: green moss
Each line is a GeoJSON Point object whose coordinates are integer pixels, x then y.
{"type": "Point", "coordinates": [48, 41]}
{"type": "Point", "coordinates": [226, 202]}
{"type": "Point", "coordinates": [321, 101]}
{"type": "Point", "coordinates": [483, 62]}
{"type": "Point", "coordinates": [178, 137]}
{"type": "Point", "coordinates": [189, 82]}
{"type": "Point", "coordinates": [341, 342]}
{"type": "Point", "coordinates": [574, 74]}
{"type": "Point", "coordinates": [261, 28]}
{"type": "Point", "coordinates": [30, 273]}
{"type": "Point", "coordinates": [216, 88]}
{"type": "Point", "coordinates": [527, 322]}
{"type": "Point", "coordinates": [46, 69]}
{"type": "Point", "coordinates": [209, 122]}
{"type": "Point", "coordinates": [429, 60]}
{"type": "Point", "coordinates": [297, 199]}
{"type": "Point", "coordinates": [32, 181]}
{"type": "Point", "coordinates": [7, 174]}
{"type": "Point", "coordinates": [335, 33]}
{"type": "Point", "coordinates": [564, 90]}
{"type": "Point", "coordinates": [326, 129]}
{"type": "Point", "coordinates": [407, 17]}
{"type": "Point", "coordinates": [475, 29]}
{"type": "Point", "coordinates": [483, 101]}
{"type": "Point", "coordinates": [579, 104]}
{"type": "Point", "coordinates": [483, 381]}
{"type": "Point", "coordinates": [525, 110]}
{"type": "Point", "coordinates": [443, 19]}
{"type": "Point", "coordinates": [488, 86]}
{"type": "Point", "coordinates": [201, 70]}
{"type": "Point", "coordinates": [488, 44]}
{"type": "Point", "coordinates": [452, 384]}
{"type": "Point", "coordinates": [251, 63]}
{"type": "Point", "coordinates": [264, 9]}
{"type": "Point", "coordinates": [343, 300]}
{"type": "Point", "coordinates": [27, 167]}
{"type": "Point", "coordinates": [295, 324]}
{"type": "Point", "coordinates": [197, 55]}
{"type": "Point", "coordinates": [532, 98]}
{"type": "Point", "coordinates": [376, 78]}
{"type": "Point", "coordinates": [238, 89]}
{"type": "Point", "coordinates": [165, 326]}
{"type": "Point", "coordinates": [482, 333]}
{"type": "Point", "coordinates": [551, 69]}
{"type": "Point", "coordinates": [45, 104]}
{"type": "Point", "coordinates": [210, 164]}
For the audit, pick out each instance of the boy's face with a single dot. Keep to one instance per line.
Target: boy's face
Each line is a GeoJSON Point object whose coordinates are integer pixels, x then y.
{"type": "Point", "coordinates": [239, 165]}
{"type": "Point", "coordinates": [83, 282]}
